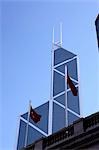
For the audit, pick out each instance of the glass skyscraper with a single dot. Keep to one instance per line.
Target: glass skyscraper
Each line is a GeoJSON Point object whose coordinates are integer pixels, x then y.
{"type": "Point", "coordinates": [63, 107]}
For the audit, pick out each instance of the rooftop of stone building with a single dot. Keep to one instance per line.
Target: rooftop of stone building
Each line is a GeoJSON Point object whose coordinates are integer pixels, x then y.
{"type": "Point", "coordinates": [80, 134]}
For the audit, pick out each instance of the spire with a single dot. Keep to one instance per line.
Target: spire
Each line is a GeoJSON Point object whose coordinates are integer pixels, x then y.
{"type": "Point", "coordinates": [57, 43]}
{"type": "Point", "coordinates": [61, 33]}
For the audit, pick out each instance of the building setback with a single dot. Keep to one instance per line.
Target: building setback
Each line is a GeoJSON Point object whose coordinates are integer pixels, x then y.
{"type": "Point", "coordinates": [82, 134]}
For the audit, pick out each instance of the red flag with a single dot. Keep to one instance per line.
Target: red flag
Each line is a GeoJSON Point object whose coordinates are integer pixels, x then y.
{"type": "Point", "coordinates": [72, 86]}
{"type": "Point", "coordinates": [34, 116]}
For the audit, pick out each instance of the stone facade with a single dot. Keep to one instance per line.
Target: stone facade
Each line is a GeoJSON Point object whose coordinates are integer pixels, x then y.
{"type": "Point", "coordinates": [82, 134]}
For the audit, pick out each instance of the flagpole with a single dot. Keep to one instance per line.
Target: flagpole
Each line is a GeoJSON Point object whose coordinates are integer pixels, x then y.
{"type": "Point", "coordinates": [27, 126]}
{"type": "Point", "coordinates": [66, 119]}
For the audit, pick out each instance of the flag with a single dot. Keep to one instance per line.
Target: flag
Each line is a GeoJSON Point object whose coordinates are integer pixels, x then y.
{"type": "Point", "coordinates": [34, 116]}
{"type": "Point", "coordinates": [72, 86]}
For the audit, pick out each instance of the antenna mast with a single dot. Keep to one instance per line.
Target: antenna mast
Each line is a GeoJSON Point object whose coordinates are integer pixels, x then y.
{"type": "Point", "coordinates": [61, 33]}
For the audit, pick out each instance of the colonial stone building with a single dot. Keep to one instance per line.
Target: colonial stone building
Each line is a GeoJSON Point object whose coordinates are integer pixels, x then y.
{"type": "Point", "coordinates": [82, 134]}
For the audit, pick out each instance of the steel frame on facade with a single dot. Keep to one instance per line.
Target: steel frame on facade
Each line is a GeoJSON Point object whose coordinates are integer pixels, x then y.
{"type": "Point", "coordinates": [56, 45]}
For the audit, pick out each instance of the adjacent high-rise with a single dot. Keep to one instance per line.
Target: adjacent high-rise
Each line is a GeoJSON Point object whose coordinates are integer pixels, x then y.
{"type": "Point", "coordinates": [97, 28]}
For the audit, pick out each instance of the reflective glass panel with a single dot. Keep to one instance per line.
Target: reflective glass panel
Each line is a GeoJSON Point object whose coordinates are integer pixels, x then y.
{"type": "Point", "coordinates": [25, 115]}
{"type": "Point", "coordinates": [21, 136]}
{"type": "Point", "coordinates": [71, 118]}
{"type": "Point", "coordinates": [43, 111]}
{"type": "Point", "coordinates": [73, 102]}
{"type": "Point", "coordinates": [61, 55]}
{"type": "Point", "coordinates": [58, 117]}
{"type": "Point", "coordinates": [33, 135]}
{"type": "Point", "coordinates": [58, 83]}
{"type": "Point", "coordinates": [61, 99]}
{"type": "Point", "coordinates": [72, 68]}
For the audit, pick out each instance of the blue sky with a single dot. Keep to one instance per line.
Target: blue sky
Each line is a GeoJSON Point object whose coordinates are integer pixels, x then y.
{"type": "Point", "coordinates": [26, 43]}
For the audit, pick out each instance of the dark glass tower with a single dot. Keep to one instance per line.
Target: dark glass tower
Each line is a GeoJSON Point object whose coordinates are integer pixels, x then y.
{"type": "Point", "coordinates": [63, 107]}
{"type": "Point", "coordinates": [97, 28]}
